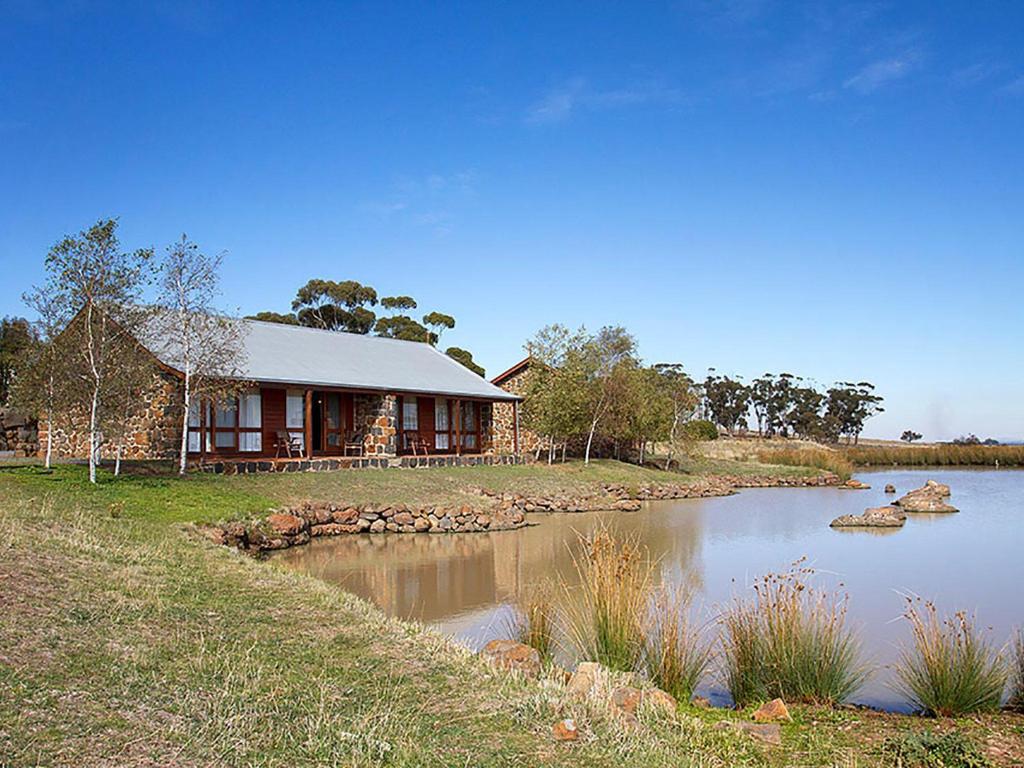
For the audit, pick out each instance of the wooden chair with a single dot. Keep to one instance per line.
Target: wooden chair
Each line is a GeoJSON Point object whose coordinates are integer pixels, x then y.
{"type": "Point", "coordinates": [353, 444]}
{"type": "Point", "coordinates": [287, 442]}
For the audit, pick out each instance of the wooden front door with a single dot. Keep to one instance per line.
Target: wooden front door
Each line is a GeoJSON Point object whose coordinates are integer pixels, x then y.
{"type": "Point", "coordinates": [335, 421]}
{"type": "Point", "coordinates": [425, 409]}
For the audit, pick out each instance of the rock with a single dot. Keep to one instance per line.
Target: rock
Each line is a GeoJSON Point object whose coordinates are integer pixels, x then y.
{"type": "Point", "coordinates": [701, 702]}
{"type": "Point", "coordinates": [403, 518]}
{"type": "Point", "coordinates": [214, 533]}
{"type": "Point", "coordinates": [772, 712]}
{"type": "Point", "coordinates": [422, 524]}
{"type": "Point", "coordinates": [939, 489]}
{"type": "Point", "coordinates": [890, 488]}
{"type": "Point", "coordinates": [286, 525]}
{"type": "Point", "coordinates": [509, 654]}
{"type": "Point", "coordinates": [345, 516]}
{"type": "Point", "coordinates": [855, 485]}
{"type": "Point", "coordinates": [584, 678]}
{"type": "Point", "coordinates": [378, 526]}
{"type": "Point", "coordinates": [626, 699]}
{"type": "Point", "coordinates": [627, 505]}
{"type": "Point", "coordinates": [876, 517]}
{"type": "Point", "coordinates": [663, 702]}
{"type": "Point", "coordinates": [928, 498]}
{"type": "Point", "coordinates": [769, 733]}
{"type": "Point", "coordinates": [565, 730]}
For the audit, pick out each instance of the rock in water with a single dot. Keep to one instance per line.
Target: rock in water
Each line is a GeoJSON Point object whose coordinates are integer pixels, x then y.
{"type": "Point", "coordinates": [508, 654]}
{"type": "Point", "coordinates": [876, 517]}
{"type": "Point", "coordinates": [890, 488]}
{"type": "Point", "coordinates": [928, 498]}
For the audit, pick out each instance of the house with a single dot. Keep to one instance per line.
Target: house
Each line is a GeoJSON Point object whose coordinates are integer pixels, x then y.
{"type": "Point", "coordinates": [510, 432]}
{"type": "Point", "coordinates": [311, 394]}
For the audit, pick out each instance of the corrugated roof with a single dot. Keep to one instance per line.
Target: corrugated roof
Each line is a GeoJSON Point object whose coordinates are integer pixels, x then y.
{"type": "Point", "coordinates": [289, 354]}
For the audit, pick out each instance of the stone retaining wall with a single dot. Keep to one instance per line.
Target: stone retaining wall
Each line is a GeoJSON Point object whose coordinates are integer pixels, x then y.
{"type": "Point", "coordinates": [294, 526]}
{"type": "Point", "coordinates": [257, 466]}
{"type": "Point", "coordinates": [19, 435]}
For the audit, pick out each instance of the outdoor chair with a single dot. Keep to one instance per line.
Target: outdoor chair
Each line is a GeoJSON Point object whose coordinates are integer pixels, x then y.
{"type": "Point", "coordinates": [285, 441]}
{"type": "Point", "coordinates": [353, 444]}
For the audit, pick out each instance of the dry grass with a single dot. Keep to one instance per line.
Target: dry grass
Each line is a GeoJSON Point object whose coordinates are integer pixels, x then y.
{"type": "Point", "coordinates": [944, 455]}
{"type": "Point", "coordinates": [790, 641]}
{"type": "Point", "coordinates": [1017, 673]}
{"type": "Point", "coordinates": [535, 618]}
{"type": "Point", "coordinates": [676, 655]}
{"type": "Point", "coordinates": [819, 458]}
{"type": "Point", "coordinates": [606, 613]}
{"type": "Point", "coordinates": [950, 669]}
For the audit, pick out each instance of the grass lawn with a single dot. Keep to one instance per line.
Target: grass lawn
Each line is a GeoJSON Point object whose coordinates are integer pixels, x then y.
{"type": "Point", "coordinates": [125, 641]}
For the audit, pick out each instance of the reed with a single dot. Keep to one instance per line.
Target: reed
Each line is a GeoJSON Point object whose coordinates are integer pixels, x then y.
{"type": "Point", "coordinates": [937, 455]}
{"type": "Point", "coordinates": [950, 669]}
{"type": "Point", "coordinates": [819, 458]}
{"type": "Point", "coordinates": [790, 641]}
{"type": "Point", "coordinates": [1017, 673]}
{"type": "Point", "coordinates": [605, 616]}
{"type": "Point", "coordinates": [675, 654]}
{"type": "Point", "coordinates": [535, 619]}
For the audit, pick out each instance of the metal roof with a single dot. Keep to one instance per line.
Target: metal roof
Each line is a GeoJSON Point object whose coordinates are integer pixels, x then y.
{"type": "Point", "coordinates": [289, 354]}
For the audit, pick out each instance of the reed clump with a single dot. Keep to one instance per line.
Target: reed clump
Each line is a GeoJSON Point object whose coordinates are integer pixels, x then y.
{"type": "Point", "coordinates": [535, 619]}
{"type": "Point", "coordinates": [1017, 673]}
{"type": "Point", "coordinates": [605, 616]}
{"type": "Point", "coordinates": [675, 653]}
{"type": "Point", "coordinates": [790, 641]}
{"type": "Point", "coordinates": [949, 669]}
{"type": "Point", "coordinates": [937, 455]}
{"type": "Point", "coordinates": [819, 458]}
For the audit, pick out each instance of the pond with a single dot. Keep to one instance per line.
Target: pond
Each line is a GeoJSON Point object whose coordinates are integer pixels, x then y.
{"type": "Point", "coordinates": [973, 560]}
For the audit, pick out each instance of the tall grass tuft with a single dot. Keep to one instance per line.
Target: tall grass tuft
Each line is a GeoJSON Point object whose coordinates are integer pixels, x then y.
{"type": "Point", "coordinates": [1017, 673]}
{"type": "Point", "coordinates": [945, 455]}
{"type": "Point", "coordinates": [790, 641]}
{"type": "Point", "coordinates": [534, 622]}
{"type": "Point", "coordinates": [605, 617]}
{"type": "Point", "coordinates": [819, 458]}
{"type": "Point", "coordinates": [950, 669]}
{"type": "Point", "coordinates": [675, 654]}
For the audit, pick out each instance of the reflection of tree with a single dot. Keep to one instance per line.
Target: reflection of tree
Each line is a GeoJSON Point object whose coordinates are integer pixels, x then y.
{"type": "Point", "coordinates": [436, 577]}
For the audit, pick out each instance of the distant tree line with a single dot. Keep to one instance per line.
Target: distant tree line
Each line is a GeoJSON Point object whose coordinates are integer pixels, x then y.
{"type": "Point", "coordinates": [346, 306]}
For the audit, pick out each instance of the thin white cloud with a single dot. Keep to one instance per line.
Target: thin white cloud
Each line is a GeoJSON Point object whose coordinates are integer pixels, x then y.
{"type": "Point", "coordinates": [1014, 87]}
{"type": "Point", "coordinates": [576, 94]}
{"type": "Point", "coordinates": [883, 72]}
{"type": "Point", "coordinates": [975, 74]}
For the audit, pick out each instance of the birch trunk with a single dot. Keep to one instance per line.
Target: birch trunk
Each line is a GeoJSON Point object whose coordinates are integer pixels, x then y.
{"type": "Point", "coordinates": [590, 441]}
{"type": "Point", "coordinates": [186, 403]}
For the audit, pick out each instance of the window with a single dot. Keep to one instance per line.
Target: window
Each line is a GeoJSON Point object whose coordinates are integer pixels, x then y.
{"type": "Point", "coordinates": [410, 414]}
{"type": "Point", "coordinates": [225, 420]}
{"type": "Point", "coordinates": [441, 441]}
{"type": "Point", "coordinates": [295, 416]}
{"type": "Point", "coordinates": [250, 422]}
{"type": "Point", "coordinates": [194, 424]}
{"type": "Point", "coordinates": [468, 424]}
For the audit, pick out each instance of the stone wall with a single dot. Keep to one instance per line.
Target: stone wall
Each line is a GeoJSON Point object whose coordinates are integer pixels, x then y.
{"type": "Point", "coordinates": [504, 420]}
{"type": "Point", "coordinates": [376, 416]}
{"type": "Point", "coordinates": [153, 433]}
{"type": "Point", "coordinates": [19, 435]}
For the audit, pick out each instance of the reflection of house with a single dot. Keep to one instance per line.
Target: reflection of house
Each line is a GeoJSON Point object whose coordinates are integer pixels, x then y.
{"type": "Point", "coordinates": [515, 381]}
{"type": "Point", "coordinates": [315, 393]}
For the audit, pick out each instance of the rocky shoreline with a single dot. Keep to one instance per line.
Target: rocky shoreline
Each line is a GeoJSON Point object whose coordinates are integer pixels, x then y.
{"type": "Point", "coordinates": [297, 525]}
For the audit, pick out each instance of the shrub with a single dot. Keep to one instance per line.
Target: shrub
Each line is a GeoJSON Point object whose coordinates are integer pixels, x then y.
{"type": "Point", "coordinates": [790, 641]}
{"type": "Point", "coordinates": [675, 655]}
{"type": "Point", "coordinates": [819, 458]}
{"type": "Point", "coordinates": [534, 621]}
{"type": "Point", "coordinates": [932, 750]}
{"type": "Point", "coordinates": [606, 617]}
{"type": "Point", "coordinates": [1017, 673]}
{"type": "Point", "coordinates": [950, 669]}
{"type": "Point", "coordinates": [700, 429]}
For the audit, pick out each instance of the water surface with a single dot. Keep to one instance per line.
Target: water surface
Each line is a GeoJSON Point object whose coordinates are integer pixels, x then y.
{"type": "Point", "coordinates": [974, 560]}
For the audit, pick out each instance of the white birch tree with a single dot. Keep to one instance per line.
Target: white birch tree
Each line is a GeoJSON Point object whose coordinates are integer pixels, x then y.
{"type": "Point", "coordinates": [206, 347]}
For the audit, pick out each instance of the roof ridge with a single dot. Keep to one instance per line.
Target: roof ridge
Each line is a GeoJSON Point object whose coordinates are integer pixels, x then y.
{"type": "Point", "coordinates": [289, 326]}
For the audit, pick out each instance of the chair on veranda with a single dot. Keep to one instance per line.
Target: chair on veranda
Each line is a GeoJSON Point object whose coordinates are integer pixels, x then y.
{"type": "Point", "coordinates": [286, 441]}
{"type": "Point", "coordinates": [353, 444]}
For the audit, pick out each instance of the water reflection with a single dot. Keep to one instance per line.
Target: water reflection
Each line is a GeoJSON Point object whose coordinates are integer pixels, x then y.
{"type": "Point", "coordinates": [462, 584]}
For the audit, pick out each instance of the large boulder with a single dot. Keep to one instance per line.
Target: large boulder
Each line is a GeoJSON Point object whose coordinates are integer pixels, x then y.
{"type": "Point", "coordinates": [928, 498]}
{"type": "Point", "coordinates": [285, 524]}
{"type": "Point", "coordinates": [509, 654]}
{"type": "Point", "coordinates": [875, 517]}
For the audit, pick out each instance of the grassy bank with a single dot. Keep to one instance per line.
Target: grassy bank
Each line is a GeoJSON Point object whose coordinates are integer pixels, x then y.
{"type": "Point", "coordinates": [125, 641]}
{"type": "Point", "coordinates": [937, 455]}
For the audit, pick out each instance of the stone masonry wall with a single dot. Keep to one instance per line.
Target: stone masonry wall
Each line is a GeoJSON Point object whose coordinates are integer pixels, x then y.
{"type": "Point", "coordinates": [377, 417]}
{"type": "Point", "coordinates": [153, 433]}
{"type": "Point", "coordinates": [504, 420]}
{"type": "Point", "coordinates": [19, 435]}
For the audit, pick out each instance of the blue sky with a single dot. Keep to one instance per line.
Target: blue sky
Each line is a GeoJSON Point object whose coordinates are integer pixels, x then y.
{"type": "Point", "coordinates": [830, 189]}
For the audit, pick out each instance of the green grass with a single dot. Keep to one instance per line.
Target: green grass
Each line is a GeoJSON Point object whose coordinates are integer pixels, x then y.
{"type": "Point", "coordinates": [790, 641]}
{"type": "Point", "coordinates": [925, 749]}
{"type": "Point", "coordinates": [950, 669]}
{"type": "Point", "coordinates": [675, 653]}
